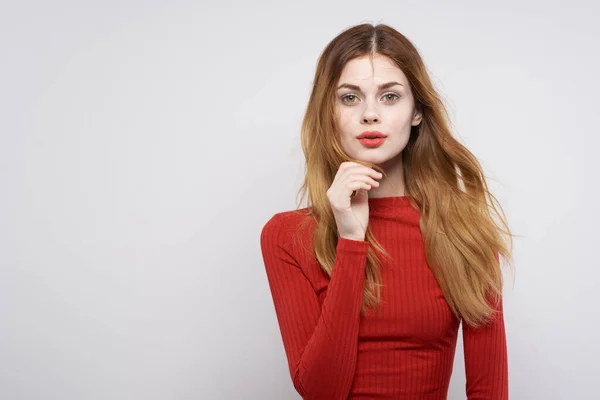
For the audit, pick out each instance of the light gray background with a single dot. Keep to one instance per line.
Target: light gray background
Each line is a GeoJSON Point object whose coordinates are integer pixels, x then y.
{"type": "Point", "coordinates": [144, 144]}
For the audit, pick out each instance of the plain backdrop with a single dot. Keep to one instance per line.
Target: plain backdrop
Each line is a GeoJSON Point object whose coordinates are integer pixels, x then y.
{"type": "Point", "coordinates": [144, 145]}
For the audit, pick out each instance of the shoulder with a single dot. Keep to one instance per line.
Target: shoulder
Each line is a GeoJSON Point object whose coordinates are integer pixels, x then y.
{"type": "Point", "coordinates": [286, 226]}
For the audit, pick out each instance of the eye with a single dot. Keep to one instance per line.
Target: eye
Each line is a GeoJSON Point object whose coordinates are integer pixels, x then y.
{"type": "Point", "coordinates": [347, 98]}
{"type": "Point", "coordinates": [392, 94]}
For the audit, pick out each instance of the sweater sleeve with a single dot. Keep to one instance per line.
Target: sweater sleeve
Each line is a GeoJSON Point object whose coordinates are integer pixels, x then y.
{"type": "Point", "coordinates": [320, 342]}
{"type": "Point", "coordinates": [486, 359]}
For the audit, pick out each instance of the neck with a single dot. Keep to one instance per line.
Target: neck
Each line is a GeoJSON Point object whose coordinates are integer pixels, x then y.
{"type": "Point", "coordinates": [393, 184]}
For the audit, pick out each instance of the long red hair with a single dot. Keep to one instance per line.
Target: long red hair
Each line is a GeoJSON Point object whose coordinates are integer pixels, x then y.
{"type": "Point", "coordinates": [444, 179]}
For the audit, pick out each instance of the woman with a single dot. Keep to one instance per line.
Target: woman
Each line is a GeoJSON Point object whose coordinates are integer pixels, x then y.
{"type": "Point", "coordinates": [357, 325]}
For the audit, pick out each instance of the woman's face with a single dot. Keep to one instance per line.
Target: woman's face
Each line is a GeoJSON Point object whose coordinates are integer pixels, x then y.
{"type": "Point", "coordinates": [362, 106]}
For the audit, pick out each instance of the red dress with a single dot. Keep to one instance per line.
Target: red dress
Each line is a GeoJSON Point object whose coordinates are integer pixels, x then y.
{"type": "Point", "coordinates": [404, 350]}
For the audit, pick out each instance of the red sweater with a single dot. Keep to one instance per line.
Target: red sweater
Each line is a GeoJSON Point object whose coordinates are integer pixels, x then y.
{"type": "Point", "coordinates": [405, 350]}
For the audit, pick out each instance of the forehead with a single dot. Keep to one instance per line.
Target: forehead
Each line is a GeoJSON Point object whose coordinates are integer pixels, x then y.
{"type": "Point", "coordinates": [380, 69]}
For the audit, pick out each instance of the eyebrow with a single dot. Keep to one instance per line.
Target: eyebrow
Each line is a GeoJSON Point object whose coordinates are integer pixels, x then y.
{"type": "Point", "coordinates": [380, 87]}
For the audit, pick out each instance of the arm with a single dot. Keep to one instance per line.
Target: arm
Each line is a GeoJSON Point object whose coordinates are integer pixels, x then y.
{"type": "Point", "coordinates": [486, 360]}
{"type": "Point", "coordinates": [320, 343]}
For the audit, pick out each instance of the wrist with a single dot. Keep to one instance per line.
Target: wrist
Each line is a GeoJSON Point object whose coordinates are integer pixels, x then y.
{"type": "Point", "coordinates": [351, 237]}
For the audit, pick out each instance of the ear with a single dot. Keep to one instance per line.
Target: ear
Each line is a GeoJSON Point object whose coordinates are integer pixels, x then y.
{"type": "Point", "coordinates": [417, 118]}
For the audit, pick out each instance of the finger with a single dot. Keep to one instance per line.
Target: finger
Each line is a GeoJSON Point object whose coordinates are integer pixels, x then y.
{"type": "Point", "coordinates": [361, 169]}
{"type": "Point", "coordinates": [363, 178]}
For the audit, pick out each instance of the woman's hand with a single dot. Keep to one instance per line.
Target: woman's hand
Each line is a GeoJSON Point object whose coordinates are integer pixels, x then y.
{"type": "Point", "coordinates": [352, 212]}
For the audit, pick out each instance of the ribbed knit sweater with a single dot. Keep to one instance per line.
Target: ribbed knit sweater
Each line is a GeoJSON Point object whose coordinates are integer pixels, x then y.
{"type": "Point", "coordinates": [405, 349]}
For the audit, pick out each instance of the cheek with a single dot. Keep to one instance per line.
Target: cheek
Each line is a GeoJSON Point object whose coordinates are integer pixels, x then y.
{"type": "Point", "coordinates": [399, 120]}
{"type": "Point", "coordinates": [344, 119]}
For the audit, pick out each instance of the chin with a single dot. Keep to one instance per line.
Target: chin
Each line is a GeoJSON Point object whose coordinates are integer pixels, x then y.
{"type": "Point", "coordinates": [374, 158]}
{"type": "Point", "coordinates": [380, 157]}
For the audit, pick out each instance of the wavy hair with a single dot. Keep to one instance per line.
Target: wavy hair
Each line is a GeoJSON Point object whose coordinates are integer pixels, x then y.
{"type": "Point", "coordinates": [443, 178]}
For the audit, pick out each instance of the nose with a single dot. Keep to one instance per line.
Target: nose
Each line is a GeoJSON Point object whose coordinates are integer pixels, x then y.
{"type": "Point", "coordinates": [370, 115]}
{"type": "Point", "coordinates": [368, 119]}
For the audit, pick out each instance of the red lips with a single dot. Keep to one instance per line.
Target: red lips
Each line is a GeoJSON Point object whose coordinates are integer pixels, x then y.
{"type": "Point", "coordinates": [371, 135]}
